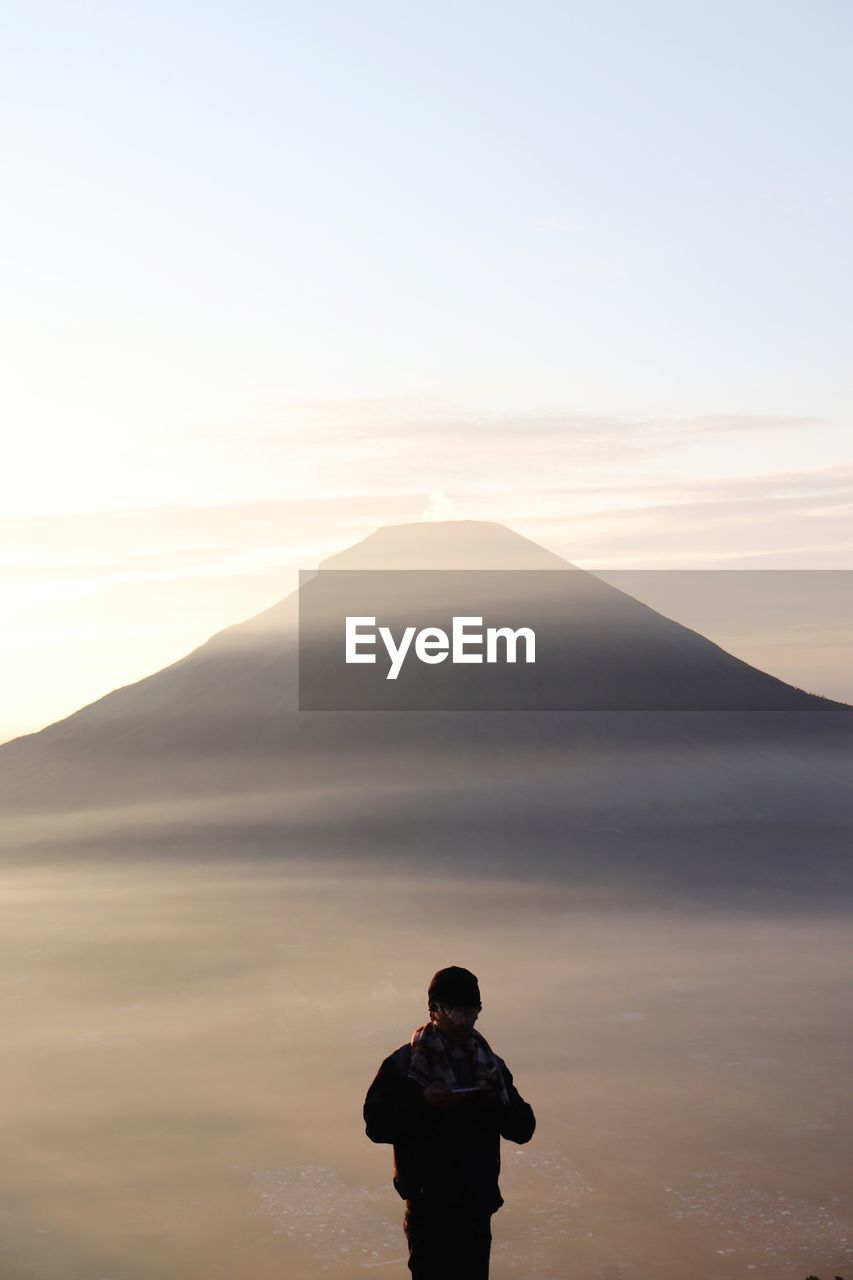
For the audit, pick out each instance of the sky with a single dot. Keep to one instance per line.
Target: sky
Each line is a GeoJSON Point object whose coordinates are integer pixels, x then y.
{"type": "Point", "coordinates": [275, 275]}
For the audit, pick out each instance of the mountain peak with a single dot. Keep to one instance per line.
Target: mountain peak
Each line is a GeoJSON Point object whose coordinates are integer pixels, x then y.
{"type": "Point", "coordinates": [446, 544]}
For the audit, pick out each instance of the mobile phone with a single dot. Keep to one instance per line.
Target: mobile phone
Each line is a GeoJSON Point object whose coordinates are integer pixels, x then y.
{"type": "Point", "coordinates": [469, 1089]}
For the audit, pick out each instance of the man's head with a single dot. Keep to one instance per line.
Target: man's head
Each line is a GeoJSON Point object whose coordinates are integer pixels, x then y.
{"type": "Point", "coordinates": [454, 1002]}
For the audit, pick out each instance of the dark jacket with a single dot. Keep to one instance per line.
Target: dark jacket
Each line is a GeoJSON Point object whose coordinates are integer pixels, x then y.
{"type": "Point", "coordinates": [451, 1154]}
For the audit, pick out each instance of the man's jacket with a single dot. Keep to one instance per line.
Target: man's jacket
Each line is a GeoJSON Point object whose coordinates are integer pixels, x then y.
{"type": "Point", "coordinates": [452, 1153]}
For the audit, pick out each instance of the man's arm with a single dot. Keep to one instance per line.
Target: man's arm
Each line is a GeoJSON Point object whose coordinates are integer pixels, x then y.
{"type": "Point", "coordinates": [517, 1121]}
{"type": "Point", "coordinates": [394, 1107]}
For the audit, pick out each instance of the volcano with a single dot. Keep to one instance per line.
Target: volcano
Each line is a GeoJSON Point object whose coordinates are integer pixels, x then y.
{"type": "Point", "coordinates": [684, 766]}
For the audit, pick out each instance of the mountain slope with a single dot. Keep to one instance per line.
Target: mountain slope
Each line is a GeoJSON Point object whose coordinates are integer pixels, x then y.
{"type": "Point", "coordinates": [212, 754]}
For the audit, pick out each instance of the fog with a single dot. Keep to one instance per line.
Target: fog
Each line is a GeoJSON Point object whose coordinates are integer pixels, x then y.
{"type": "Point", "coordinates": [187, 1046]}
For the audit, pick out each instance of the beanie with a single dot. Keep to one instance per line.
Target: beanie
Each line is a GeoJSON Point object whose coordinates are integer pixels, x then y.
{"type": "Point", "coordinates": [454, 986]}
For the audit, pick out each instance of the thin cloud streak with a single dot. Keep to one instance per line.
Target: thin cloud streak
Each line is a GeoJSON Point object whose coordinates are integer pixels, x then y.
{"type": "Point", "coordinates": [235, 539]}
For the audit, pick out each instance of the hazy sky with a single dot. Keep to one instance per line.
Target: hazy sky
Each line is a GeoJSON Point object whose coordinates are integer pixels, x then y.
{"type": "Point", "coordinates": [277, 274]}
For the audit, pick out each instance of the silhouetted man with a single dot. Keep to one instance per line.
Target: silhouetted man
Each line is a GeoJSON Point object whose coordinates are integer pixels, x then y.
{"type": "Point", "coordinates": [444, 1101]}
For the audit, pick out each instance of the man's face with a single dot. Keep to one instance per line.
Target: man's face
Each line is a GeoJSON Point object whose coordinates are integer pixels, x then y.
{"type": "Point", "coordinates": [456, 1023]}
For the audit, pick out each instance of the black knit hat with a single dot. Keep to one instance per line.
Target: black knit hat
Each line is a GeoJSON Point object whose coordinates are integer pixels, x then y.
{"type": "Point", "coordinates": [454, 986]}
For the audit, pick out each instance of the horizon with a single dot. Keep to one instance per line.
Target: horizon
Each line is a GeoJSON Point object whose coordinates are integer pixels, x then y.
{"type": "Point", "coordinates": [779, 636]}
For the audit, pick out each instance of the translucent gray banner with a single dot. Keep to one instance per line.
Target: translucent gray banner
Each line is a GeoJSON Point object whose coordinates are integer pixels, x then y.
{"type": "Point", "coordinates": [572, 640]}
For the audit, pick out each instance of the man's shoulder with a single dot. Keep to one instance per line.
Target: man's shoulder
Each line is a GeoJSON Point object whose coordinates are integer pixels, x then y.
{"type": "Point", "coordinates": [400, 1059]}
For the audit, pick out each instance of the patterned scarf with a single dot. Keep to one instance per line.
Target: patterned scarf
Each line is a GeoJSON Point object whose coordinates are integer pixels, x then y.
{"type": "Point", "coordinates": [431, 1060]}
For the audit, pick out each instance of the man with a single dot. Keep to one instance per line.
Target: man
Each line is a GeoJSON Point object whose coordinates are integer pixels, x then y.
{"type": "Point", "coordinates": [445, 1101]}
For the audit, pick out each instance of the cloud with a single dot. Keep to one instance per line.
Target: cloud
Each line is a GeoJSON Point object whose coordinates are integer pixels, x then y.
{"type": "Point", "coordinates": [786, 519]}
{"type": "Point", "coordinates": [439, 507]}
{"type": "Point", "coordinates": [421, 442]}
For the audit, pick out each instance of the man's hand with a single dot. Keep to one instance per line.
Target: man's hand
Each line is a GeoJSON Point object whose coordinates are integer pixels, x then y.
{"type": "Point", "coordinates": [489, 1095]}
{"type": "Point", "coordinates": [439, 1096]}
